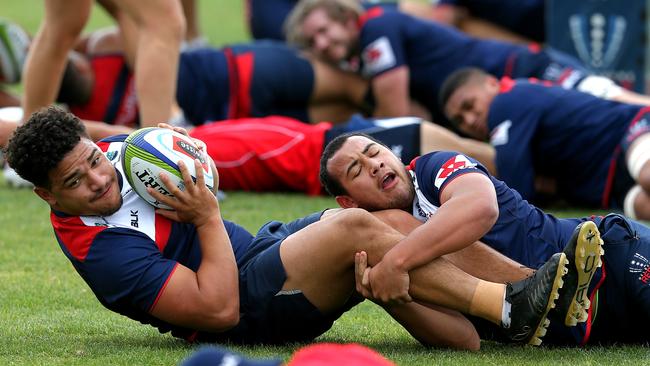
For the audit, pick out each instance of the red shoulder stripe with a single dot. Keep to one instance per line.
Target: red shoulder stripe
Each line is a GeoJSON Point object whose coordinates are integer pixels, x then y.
{"type": "Point", "coordinates": [163, 231]}
{"type": "Point", "coordinates": [74, 234]}
{"type": "Point", "coordinates": [371, 13]}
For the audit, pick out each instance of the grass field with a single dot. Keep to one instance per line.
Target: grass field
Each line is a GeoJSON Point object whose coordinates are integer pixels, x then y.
{"type": "Point", "coordinates": [49, 316]}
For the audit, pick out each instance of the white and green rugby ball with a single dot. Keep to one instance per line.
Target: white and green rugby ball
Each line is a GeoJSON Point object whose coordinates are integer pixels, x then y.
{"type": "Point", "coordinates": [149, 151]}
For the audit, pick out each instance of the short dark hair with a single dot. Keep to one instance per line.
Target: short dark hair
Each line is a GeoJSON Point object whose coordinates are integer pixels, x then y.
{"type": "Point", "coordinates": [454, 81]}
{"type": "Point", "coordinates": [330, 183]}
{"type": "Point", "coordinates": [39, 145]}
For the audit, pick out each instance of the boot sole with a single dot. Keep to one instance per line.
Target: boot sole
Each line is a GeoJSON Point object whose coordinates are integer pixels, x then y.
{"type": "Point", "coordinates": [587, 260]}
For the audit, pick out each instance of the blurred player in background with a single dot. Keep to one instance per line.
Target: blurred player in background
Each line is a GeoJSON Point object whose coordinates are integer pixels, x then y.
{"type": "Point", "coordinates": [596, 151]}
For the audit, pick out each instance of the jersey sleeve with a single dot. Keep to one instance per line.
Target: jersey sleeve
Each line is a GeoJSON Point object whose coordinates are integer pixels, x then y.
{"type": "Point", "coordinates": [382, 44]}
{"type": "Point", "coordinates": [436, 170]}
{"type": "Point", "coordinates": [126, 267]}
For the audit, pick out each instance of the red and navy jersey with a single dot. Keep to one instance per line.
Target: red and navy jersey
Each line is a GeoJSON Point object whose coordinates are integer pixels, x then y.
{"type": "Point", "coordinates": [522, 232]}
{"type": "Point", "coordinates": [127, 258]}
{"type": "Point", "coordinates": [570, 136]}
{"type": "Point", "coordinates": [524, 17]}
{"type": "Point", "coordinates": [390, 39]}
{"type": "Point", "coordinates": [248, 80]}
{"type": "Point", "coordinates": [265, 154]}
{"type": "Point", "coordinates": [113, 99]}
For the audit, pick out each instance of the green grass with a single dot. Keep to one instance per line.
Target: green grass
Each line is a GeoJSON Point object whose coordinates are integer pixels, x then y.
{"type": "Point", "coordinates": [48, 316]}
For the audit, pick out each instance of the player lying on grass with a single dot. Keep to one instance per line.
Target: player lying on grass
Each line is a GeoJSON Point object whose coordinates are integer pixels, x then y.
{"type": "Point", "coordinates": [281, 154]}
{"type": "Point", "coordinates": [459, 202]}
{"type": "Point", "coordinates": [204, 278]}
{"type": "Point", "coordinates": [596, 151]}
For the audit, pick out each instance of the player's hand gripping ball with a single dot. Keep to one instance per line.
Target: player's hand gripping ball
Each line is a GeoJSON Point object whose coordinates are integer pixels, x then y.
{"type": "Point", "coordinates": [149, 151]}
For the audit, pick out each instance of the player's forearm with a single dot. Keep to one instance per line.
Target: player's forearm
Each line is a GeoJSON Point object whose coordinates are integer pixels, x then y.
{"type": "Point", "coordinates": [456, 225]}
{"type": "Point", "coordinates": [217, 276]}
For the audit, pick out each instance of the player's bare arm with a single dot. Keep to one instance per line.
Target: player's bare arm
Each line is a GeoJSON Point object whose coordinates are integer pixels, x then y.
{"type": "Point", "coordinates": [391, 91]}
{"type": "Point", "coordinates": [207, 299]}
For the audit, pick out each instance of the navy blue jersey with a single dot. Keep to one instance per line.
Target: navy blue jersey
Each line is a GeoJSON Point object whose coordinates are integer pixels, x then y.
{"type": "Point", "coordinates": [390, 39]}
{"type": "Point", "coordinates": [431, 51]}
{"type": "Point", "coordinates": [127, 258]}
{"type": "Point", "coordinates": [247, 80]}
{"type": "Point", "coordinates": [524, 17]}
{"type": "Point", "coordinates": [570, 136]}
{"type": "Point", "coordinates": [522, 232]}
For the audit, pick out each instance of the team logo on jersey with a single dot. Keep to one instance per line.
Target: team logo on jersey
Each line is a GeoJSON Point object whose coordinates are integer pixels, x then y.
{"type": "Point", "coordinates": [111, 155]}
{"type": "Point", "coordinates": [452, 165]}
{"type": "Point", "coordinates": [598, 38]}
{"type": "Point", "coordinates": [378, 56]}
{"type": "Point", "coordinates": [500, 134]}
{"type": "Point", "coordinates": [639, 264]}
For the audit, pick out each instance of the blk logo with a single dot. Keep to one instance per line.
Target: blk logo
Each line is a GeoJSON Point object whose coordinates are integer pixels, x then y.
{"type": "Point", "coordinates": [134, 218]}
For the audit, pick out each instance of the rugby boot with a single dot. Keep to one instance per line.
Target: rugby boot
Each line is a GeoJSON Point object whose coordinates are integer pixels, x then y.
{"type": "Point", "coordinates": [532, 298]}
{"type": "Point", "coordinates": [583, 252]}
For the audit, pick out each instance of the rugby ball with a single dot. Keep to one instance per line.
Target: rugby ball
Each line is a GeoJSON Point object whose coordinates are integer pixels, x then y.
{"type": "Point", "coordinates": [149, 151]}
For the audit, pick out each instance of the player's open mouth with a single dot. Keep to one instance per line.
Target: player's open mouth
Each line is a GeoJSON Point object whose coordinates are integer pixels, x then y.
{"type": "Point", "coordinates": [388, 181]}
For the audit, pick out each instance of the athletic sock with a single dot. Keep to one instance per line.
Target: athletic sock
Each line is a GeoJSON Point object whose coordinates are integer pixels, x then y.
{"type": "Point", "coordinates": [488, 302]}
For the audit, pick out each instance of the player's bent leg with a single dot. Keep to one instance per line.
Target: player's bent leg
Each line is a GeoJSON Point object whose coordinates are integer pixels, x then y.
{"type": "Point", "coordinates": [527, 302]}
{"type": "Point", "coordinates": [319, 259]}
{"type": "Point", "coordinates": [161, 27]}
{"type": "Point", "coordinates": [47, 57]}
{"type": "Point", "coordinates": [583, 251]}
{"type": "Point", "coordinates": [434, 325]}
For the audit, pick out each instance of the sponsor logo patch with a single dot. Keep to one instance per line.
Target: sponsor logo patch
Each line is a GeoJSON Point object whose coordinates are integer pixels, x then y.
{"type": "Point", "coordinates": [452, 165]}
{"type": "Point", "coordinates": [378, 56]}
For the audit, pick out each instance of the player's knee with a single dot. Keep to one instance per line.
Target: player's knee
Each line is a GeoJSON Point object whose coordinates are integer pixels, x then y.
{"type": "Point", "coordinates": [167, 22]}
{"type": "Point", "coordinates": [358, 222]}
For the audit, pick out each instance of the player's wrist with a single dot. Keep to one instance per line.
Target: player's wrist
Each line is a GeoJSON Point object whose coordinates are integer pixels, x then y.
{"type": "Point", "coordinates": [208, 221]}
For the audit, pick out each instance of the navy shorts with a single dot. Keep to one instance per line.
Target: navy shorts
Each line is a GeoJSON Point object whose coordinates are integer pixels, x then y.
{"type": "Point", "coordinates": [268, 315]}
{"type": "Point", "coordinates": [282, 82]}
{"type": "Point", "coordinates": [203, 83]}
{"type": "Point", "coordinates": [621, 308]}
